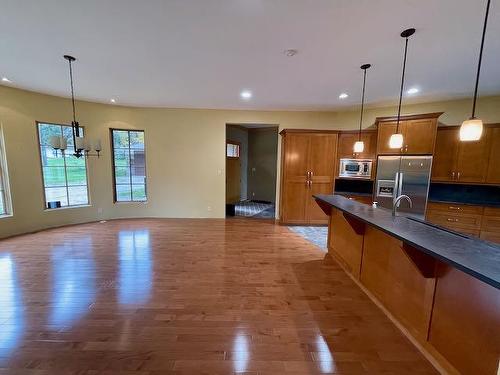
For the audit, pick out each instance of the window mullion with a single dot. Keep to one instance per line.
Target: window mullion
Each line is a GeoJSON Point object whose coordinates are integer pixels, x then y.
{"type": "Point", "coordinates": [130, 166]}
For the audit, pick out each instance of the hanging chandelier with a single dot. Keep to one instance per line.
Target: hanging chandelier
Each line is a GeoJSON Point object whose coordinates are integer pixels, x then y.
{"type": "Point", "coordinates": [359, 145]}
{"type": "Point", "coordinates": [396, 140]}
{"type": "Point", "coordinates": [82, 147]}
{"type": "Point", "coordinates": [472, 129]}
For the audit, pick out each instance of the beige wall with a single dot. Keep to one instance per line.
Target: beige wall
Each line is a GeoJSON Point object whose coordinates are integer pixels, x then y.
{"type": "Point", "coordinates": [185, 151]}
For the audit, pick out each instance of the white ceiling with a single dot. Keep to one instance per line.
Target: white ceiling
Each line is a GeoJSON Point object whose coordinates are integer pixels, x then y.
{"type": "Point", "coordinates": [202, 53]}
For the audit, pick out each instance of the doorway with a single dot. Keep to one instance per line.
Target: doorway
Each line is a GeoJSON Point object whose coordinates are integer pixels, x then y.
{"type": "Point", "coordinates": [251, 170]}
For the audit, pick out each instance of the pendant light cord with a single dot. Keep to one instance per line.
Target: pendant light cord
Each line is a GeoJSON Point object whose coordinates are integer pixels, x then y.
{"type": "Point", "coordinates": [480, 59]}
{"type": "Point", "coordinates": [72, 91]}
{"type": "Point", "coordinates": [362, 104]}
{"type": "Point", "coordinates": [402, 85]}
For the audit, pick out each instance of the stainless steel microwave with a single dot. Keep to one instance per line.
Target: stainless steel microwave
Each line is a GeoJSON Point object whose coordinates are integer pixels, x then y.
{"type": "Point", "coordinates": [355, 168]}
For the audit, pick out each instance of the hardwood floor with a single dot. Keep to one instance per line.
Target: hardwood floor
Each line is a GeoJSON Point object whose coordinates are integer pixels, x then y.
{"type": "Point", "coordinates": [187, 297]}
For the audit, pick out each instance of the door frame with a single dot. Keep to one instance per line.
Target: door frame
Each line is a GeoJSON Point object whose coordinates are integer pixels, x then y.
{"type": "Point", "coordinates": [229, 141]}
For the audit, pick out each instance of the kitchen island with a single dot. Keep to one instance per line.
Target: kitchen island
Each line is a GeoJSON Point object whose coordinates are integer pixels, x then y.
{"type": "Point", "coordinates": [442, 289]}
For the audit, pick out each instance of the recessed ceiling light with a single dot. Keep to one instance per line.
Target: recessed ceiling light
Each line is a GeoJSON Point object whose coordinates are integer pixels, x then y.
{"type": "Point", "coordinates": [113, 100]}
{"type": "Point", "coordinates": [290, 52]}
{"type": "Point", "coordinates": [5, 79]}
{"type": "Point", "coordinates": [246, 95]}
{"type": "Point", "coordinates": [343, 96]}
{"type": "Point", "coordinates": [412, 91]}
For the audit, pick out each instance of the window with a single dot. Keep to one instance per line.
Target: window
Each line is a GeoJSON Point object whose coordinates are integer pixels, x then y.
{"type": "Point", "coordinates": [232, 149]}
{"type": "Point", "coordinates": [64, 175]}
{"type": "Point", "coordinates": [129, 165]}
{"type": "Point", "coordinates": [5, 205]}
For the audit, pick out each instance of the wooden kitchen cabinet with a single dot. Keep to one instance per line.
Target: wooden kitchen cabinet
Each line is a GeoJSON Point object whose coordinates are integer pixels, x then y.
{"type": "Point", "coordinates": [479, 221]}
{"type": "Point", "coordinates": [472, 160]}
{"type": "Point", "coordinates": [490, 225]}
{"type": "Point", "coordinates": [308, 165]}
{"type": "Point", "coordinates": [347, 140]}
{"type": "Point", "coordinates": [419, 134]}
{"type": "Point", "coordinates": [463, 162]}
{"type": "Point", "coordinates": [385, 130]}
{"type": "Point", "coordinates": [493, 175]}
{"type": "Point", "coordinates": [346, 144]}
{"type": "Point", "coordinates": [458, 217]}
{"type": "Point", "coordinates": [445, 154]}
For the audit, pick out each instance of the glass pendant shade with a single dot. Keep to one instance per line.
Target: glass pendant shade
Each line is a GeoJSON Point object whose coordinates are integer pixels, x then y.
{"type": "Point", "coordinates": [471, 130]}
{"type": "Point", "coordinates": [63, 144]}
{"type": "Point", "coordinates": [359, 146]}
{"type": "Point", "coordinates": [396, 141]}
{"type": "Point", "coordinates": [55, 142]}
{"type": "Point", "coordinates": [80, 143]}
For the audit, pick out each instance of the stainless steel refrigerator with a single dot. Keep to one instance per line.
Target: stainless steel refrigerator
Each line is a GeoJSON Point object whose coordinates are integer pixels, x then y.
{"type": "Point", "coordinates": [408, 175]}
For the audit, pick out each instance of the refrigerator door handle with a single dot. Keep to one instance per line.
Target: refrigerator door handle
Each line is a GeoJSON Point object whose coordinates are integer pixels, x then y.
{"type": "Point", "coordinates": [400, 186]}
{"type": "Point", "coordinates": [396, 188]}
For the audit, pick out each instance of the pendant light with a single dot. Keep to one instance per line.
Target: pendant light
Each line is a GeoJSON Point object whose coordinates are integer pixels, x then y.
{"type": "Point", "coordinates": [472, 129]}
{"type": "Point", "coordinates": [82, 147]}
{"type": "Point", "coordinates": [359, 145]}
{"type": "Point", "coordinates": [396, 140]}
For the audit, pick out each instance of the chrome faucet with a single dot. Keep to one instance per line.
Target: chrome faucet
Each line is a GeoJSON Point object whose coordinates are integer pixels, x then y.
{"type": "Point", "coordinates": [397, 200]}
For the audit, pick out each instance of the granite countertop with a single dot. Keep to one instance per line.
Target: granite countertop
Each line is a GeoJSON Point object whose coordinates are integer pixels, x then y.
{"type": "Point", "coordinates": [475, 257]}
{"type": "Point", "coordinates": [353, 193]}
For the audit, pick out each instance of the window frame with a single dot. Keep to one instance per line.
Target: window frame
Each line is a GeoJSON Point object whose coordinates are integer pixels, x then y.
{"type": "Point", "coordinates": [112, 148]}
{"type": "Point", "coordinates": [236, 143]}
{"type": "Point", "coordinates": [39, 144]}
{"type": "Point", "coordinates": [4, 176]}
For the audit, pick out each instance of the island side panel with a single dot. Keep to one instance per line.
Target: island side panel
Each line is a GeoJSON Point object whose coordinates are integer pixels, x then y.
{"type": "Point", "coordinates": [344, 245]}
{"type": "Point", "coordinates": [465, 325]}
{"type": "Point", "coordinates": [396, 282]}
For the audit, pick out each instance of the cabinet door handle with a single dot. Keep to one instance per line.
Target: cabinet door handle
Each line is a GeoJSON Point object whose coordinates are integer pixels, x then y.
{"type": "Point", "coordinates": [406, 148]}
{"type": "Point", "coordinates": [452, 220]}
{"type": "Point", "coordinates": [458, 175]}
{"type": "Point", "coordinates": [454, 208]}
{"type": "Point", "coordinates": [452, 175]}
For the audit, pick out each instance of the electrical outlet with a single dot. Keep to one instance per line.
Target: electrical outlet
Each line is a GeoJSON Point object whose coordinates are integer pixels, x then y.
{"type": "Point", "coordinates": [209, 208]}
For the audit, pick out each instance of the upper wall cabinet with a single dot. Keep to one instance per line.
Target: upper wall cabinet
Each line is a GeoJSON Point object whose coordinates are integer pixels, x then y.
{"type": "Point", "coordinates": [347, 140]}
{"type": "Point", "coordinates": [419, 134]}
{"type": "Point", "coordinates": [466, 162]}
{"type": "Point", "coordinates": [493, 176]}
{"type": "Point", "coordinates": [445, 154]}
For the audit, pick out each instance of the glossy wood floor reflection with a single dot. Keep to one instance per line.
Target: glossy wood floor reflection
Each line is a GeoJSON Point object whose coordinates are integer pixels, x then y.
{"type": "Point", "coordinates": [187, 297]}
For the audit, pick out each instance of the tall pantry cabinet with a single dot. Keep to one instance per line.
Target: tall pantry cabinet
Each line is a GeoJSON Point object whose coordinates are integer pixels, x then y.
{"type": "Point", "coordinates": [307, 168]}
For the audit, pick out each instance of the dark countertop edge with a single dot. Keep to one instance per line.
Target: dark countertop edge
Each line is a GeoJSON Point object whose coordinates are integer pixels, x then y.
{"type": "Point", "coordinates": [494, 283]}
{"type": "Point", "coordinates": [353, 193]}
{"type": "Point", "coordinates": [484, 204]}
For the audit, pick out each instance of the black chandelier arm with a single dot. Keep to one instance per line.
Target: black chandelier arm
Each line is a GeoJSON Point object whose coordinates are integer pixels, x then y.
{"type": "Point", "coordinates": [480, 59]}
{"type": "Point", "coordinates": [402, 85]}
{"type": "Point", "coordinates": [364, 67]}
{"type": "Point", "coordinates": [72, 88]}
